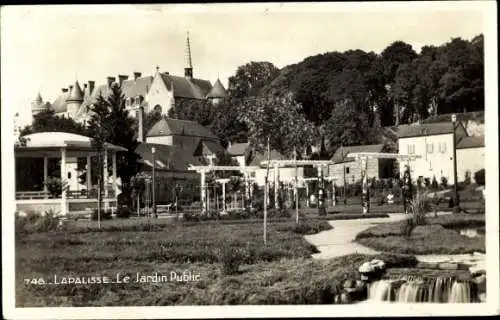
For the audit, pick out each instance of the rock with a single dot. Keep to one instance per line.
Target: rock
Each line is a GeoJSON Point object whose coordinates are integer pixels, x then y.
{"type": "Point", "coordinates": [349, 284]}
{"type": "Point", "coordinates": [477, 272]}
{"type": "Point", "coordinates": [482, 297]}
{"type": "Point", "coordinates": [336, 300]}
{"type": "Point", "coordinates": [448, 266]}
{"type": "Point", "coordinates": [344, 298]}
{"type": "Point", "coordinates": [360, 285]}
{"type": "Point", "coordinates": [481, 283]}
{"type": "Point", "coordinates": [377, 264]}
{"type": "Point", "coordinates": [366, 268]}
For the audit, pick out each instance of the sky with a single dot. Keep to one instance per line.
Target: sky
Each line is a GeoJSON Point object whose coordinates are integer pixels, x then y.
{"type": "Point", "coordinates": [46, 48]}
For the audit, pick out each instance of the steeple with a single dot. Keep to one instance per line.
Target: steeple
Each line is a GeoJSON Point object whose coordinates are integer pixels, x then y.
{"type": "Point", "coordinates": [188, 69]}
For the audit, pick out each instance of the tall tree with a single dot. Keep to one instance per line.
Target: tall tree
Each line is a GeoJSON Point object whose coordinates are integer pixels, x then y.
{"type": "Point", "coordinates": [348, 127]}
{"type": "Point", "coordinates": [281, 120]}
{"type": "Point", "coordinates": [250, 78]}
{"type": "Point", "coordinates": [109, 114]}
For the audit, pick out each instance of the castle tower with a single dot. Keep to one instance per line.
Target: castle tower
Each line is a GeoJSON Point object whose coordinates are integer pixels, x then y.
{"type": "Point", "coordinates": [188, 69]}
{"type": "Point", "coordinates": [74, 100]}
{"type": "Point", "coordinates": [217, 93]}
{"type": "Point", "coordinates": [37, 105]}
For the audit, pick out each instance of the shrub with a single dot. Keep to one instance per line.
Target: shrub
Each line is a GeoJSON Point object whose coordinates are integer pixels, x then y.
{"type": "Point", "coordinates": [105, 214]}
{"type": "Point", "coordinates": [434, 183]}
{"type": "Point", "coordinates": [421, 205]}
{"type": "Point", "coordinates": [407, 227]}
{"type": "Point", "coordinates": [231, 258]}
{"type": "Point", "coordinates": [444, 182]}
{"type": "Point", "coordinates": [427, 182]}
{"type": "Point", "coordinates": [479, 177]}
{"type": "Point", "coordinates": [123, 212]}
{"type": "Point", "coordinates": [468, 178]}
{"type": "Point", "coordinates": [34, 222]}
{"type": "Point", "coordinates": [55, 186]}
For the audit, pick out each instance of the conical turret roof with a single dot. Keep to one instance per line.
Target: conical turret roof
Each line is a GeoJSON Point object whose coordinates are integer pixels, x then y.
{"type": "Point", "coordinates": [76, 94]}
{"type": "Point", "coordinates": [39, 99]}
{"type": "Point", "coordinates": [217, 91]}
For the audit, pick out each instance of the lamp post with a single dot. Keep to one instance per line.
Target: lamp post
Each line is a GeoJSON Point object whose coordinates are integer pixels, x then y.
{"type": "Point", "coordinates": [456, 199]}
{"type": "Point", "coordinates": [153, 151]}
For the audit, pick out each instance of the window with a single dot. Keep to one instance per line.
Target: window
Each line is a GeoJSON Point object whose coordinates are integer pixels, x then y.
{"type": "Point", "coordinates": [442, 147]}
{"type": "Point", "coordinates": [430, 165]}
{"type": "Point", "coordinates": [430, 147]}
{"type": "Point", "coordinates": [347, 170]}
{"type": "Point", "coordinates": [411, 149]}
{"type": "Point", "coordinates": [69, 175]}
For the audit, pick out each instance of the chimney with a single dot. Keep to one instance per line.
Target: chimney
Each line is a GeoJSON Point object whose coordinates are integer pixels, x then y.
{"type": "Point", "coordinates": [140, 124]}
{"type": "Point", "coordinates": [110, 81]}
{"type": "Point", "coordinates": [137, 75]}
{"type": "Point", "coordinates": [91, 85]}
{"type": "Point", "coordinates": [64, 90]}
{"type": "Point", "coordinates": [122, 78]}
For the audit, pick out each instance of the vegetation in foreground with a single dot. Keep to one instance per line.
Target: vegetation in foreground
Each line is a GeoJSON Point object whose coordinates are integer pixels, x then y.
{"type": "Point", "coordinates": [439, 235]}
{"type": "Point", "coordinates": [288, 281]}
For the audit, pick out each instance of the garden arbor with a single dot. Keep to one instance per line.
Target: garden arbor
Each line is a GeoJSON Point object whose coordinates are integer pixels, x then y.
{"type": "Point", "coordinates": [319, 164]}
{"type": "Point", "coordinates": [362, 157]}
{"type": "Point", "coordinates": [203, 170]}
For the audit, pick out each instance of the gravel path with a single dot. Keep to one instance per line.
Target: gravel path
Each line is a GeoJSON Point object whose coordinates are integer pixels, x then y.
{"type": "Point", "coordinates": [339, 241]}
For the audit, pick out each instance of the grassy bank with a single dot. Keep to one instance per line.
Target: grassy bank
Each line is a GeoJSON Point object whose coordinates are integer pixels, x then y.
{"type": "Point", "coordinates": [288, 281]}
{"type": "Point", "coordinates": [439, 236]}
{"type": "Point", "coordinates": [126, 248]}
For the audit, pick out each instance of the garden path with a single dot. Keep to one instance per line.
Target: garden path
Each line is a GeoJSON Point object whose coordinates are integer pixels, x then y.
{"type": "Point", "coordinates": [339, 241]}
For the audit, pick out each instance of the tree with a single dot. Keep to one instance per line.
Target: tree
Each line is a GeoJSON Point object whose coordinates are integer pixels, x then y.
{"type": "Point", "coordinates": [281, 120]}
{"type": "Point", "coordinates": [250, 78]}
{"type": "Point", "coordinates": [396, 54]}
{"type": "Point", "coordinates": [226, 123]}
{"type": "Point", "coordinates": [151, 119]}
{"type": "Point", "coordinates": [47, 121]}
{"type": "Point", "coordinates": [347, 126]}
{"type": "Point", "coordinates": [110, 122]}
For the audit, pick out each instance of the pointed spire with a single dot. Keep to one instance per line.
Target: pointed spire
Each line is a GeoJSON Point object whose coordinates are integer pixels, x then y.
{"type": "Point", "coordinates": [39, 98]}
{"type": "Point", "coordinates": [76, 94]}
{"type": "Point", "coordinates": [188, 69]}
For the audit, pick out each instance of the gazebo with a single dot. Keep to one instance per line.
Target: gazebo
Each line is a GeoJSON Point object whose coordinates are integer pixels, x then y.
{"type": "Point", "coordinates": [67, 147]}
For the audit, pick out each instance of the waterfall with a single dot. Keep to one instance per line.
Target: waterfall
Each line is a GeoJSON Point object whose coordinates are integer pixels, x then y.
{"type": "Point", "coordinates": [411, 289]}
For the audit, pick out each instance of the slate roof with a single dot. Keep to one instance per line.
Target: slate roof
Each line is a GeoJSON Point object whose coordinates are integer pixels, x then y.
{"type": "Point", "coordinates": [340, 155]}
{"type": "Point", "coordinates": [76, 94]}
{"type": "Point", "coordinates": [471, 142]}
{"type": "Point", "coordinates": [140, 87]}
{"type": "Point", "coordinates": [59, 105]}
{"type": "Point", "coordinates": [170, 126]}
{"type": "Point", "coordinates": [186, 88]}
{"type": "Point", "coordinates": [167, 158]}
{"type": "Point", "coordinates": [217, 91]}
{"type": "Point", "coordinates": [207, 147]}
{"type": "Point", "coordinates": [426, 129]}
{"type": "Point", "coordinates": [259, 157]}
{"type": "Point", "coordinates": [238, 149]}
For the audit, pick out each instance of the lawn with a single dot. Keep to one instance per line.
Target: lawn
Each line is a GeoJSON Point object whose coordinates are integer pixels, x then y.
{"type": "Point", "coordinates": [439, 236]}
{"type": "Point", "coordinates": [121, 246]}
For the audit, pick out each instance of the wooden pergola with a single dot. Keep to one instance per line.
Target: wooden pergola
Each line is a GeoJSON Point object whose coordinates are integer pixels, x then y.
{"type": "Point", "coordinates": [203, 170]}
{"type": "Point", "coordinates": [363, 157]}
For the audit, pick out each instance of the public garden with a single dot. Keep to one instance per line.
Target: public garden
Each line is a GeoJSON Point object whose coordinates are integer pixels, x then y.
{"type": "Point", "coordinates": [341, 256]}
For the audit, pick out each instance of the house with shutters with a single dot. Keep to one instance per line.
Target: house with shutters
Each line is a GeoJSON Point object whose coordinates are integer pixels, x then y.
{"type": "Point", "coordinates": [434, 143]}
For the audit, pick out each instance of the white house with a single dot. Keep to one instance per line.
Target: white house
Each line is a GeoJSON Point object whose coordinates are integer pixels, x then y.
{"type": "Point", "coordinates": [470, 156]}
{"type": "Point", "coordinates": [434, 143]}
